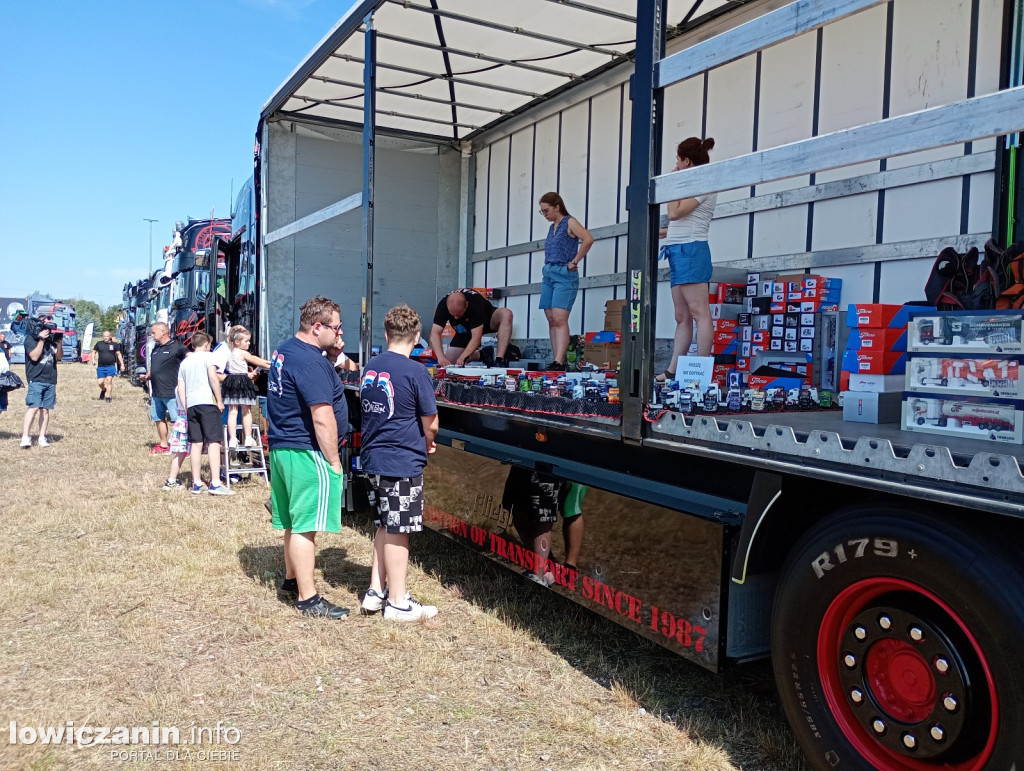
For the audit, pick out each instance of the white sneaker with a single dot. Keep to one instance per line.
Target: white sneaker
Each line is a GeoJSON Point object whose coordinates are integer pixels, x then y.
{"type": "Point", "coordinates": [43, 442]}
{"type": "Point", "coordinates": [413, 611]}
{"type": "Point", "coordinates": [220, 490]}
{"type": "Point", "coordinates": [26, 442]}
{"type": "Point", "coordinates": [373, 601]}
{"type": "Point", "coordinates": [233, 443]}
{"type": "Point", "coordinates": [250, 442]}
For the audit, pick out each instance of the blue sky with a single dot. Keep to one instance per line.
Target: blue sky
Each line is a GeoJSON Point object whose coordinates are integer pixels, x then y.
{"type": "Point", "coordinates": [115, 111]}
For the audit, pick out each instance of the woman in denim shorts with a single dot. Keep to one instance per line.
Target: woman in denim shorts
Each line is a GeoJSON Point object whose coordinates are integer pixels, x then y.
{"type": "Point", "coordinates": [565, 247]}
{"type": "Point", "coordinates": [685, 246]}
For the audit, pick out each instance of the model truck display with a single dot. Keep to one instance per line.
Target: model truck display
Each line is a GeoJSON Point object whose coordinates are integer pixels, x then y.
{"type": "Point", "coordinates": [881, 570]}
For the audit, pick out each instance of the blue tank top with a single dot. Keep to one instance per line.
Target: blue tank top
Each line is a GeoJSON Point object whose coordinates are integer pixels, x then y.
{"type": "Point", "coordinates": [560, 248]}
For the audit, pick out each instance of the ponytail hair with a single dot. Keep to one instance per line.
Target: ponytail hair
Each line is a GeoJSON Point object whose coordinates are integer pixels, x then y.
{"type": "Point", "coordinates": [554, 199]}
{"type": "Point", "coordinates": [696, 149]}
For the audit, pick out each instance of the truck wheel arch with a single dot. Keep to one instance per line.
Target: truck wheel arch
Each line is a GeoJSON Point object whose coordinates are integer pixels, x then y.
{"type": "Point", "coordinates": [873, 598]}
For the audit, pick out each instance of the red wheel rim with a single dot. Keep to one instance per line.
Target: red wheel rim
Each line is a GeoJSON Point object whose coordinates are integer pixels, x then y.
{"type": "Point", "coordinates": [908, 696]}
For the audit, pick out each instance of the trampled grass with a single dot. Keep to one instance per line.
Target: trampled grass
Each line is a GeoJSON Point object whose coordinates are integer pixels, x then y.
{"type": "Point", "coordinates": [123, 605]}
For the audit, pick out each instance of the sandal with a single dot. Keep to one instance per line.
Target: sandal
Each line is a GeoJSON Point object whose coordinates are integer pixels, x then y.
{"type": "Point", "coordinates": [665, 376]}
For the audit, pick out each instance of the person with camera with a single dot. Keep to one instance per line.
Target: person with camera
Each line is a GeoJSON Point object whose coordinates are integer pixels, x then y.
{"type": "Point", "coordinates": [43, 350]}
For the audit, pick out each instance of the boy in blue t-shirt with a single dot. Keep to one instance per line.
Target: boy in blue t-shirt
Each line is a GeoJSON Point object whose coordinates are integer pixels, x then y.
{"type": "Point", "coordinates": [399, 416]}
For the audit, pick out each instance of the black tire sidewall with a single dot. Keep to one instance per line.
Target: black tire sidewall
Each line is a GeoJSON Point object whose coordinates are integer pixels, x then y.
{"type": "Point", "coordinates": [979, 580]}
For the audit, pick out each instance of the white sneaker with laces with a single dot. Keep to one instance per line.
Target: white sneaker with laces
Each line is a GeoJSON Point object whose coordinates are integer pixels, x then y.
{"type": "Point", "coordinates": [26, 442]}
{"type": "Point", "coordinates": [413, 611]}
{"type": "Point", "coordinates": [373, 601]}
{"type": "Point", "coordinates": [250, 442]}
{"type": "Point", "coordinates": [43, 442]}
{"type": "Point", "coordinates": [233, 443]}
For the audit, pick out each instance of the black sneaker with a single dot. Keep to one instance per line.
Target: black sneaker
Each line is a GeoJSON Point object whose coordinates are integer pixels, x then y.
{"type": "Point", "coordinates": [288, 588]}
{"type": "Point", "coordinates": [102, 395]}
{"type": "Point", "coordinates": [108, 400]}
{"type": "Point", "coordinates": [500, 362]}
{"type": "Point", "coordinates": [487, 356]}
{"type": "Point", "coordinates": [555, 366]}
{"type": "Point", "coordinates": [325, 609]}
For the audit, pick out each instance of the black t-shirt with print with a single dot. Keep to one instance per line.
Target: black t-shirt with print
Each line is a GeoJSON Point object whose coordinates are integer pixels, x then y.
{"type": "Point", "coordinates": [106, 353]}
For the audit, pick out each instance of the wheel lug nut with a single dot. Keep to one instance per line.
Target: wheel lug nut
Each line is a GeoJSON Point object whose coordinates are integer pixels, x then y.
{"type": "Point", "coordinates": [950, 703]}
{"type": "Point", "coordinates": [885, 622]}
{"type": "Point", "coordinates": [857, 696]}
{"type": "Point", "coordinates": [916, 634]}
{"type": "Point", "coordinates": [860, 633]}
{"type": "Point", "coordinates": [878, 725]}
{"type": "Point", "coordinates": [942, 665]}
{"type": "Point", "coordinates": [938, 733]}
{"type": "Point", "coordinates": [909, 741]}
{"type": "Point", "coordinates": [850, 660]}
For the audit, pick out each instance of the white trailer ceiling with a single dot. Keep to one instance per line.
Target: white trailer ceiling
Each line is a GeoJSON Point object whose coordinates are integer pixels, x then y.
{"type": "Point", "coordinates": [450, 68]}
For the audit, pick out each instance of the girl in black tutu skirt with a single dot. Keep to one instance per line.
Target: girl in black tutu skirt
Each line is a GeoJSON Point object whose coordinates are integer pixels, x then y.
{"type": "Point", "coordinates": [238, 388]}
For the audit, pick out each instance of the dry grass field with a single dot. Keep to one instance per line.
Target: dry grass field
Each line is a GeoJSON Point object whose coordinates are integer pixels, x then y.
{"type": "Point", "coordinates": [123, 605]}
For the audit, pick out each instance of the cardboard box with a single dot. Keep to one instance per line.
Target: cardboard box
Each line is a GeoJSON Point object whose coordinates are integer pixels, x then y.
{"type": "Point", "coordinates": [871, 407]}
{"type": "Point", "coordinates": [863, 382]}
{"type": "Point", "coordinates": [724, 311]}
{"type": "Point", "coordinates": [877, 316]}
{"type": "Point", "coordinates": [724, 325]}
{"type": "Point", "coordinates": [959, 376]}
{"type": "Point", "coordinates": [602, 353]}
{"type": "Point", "coordinates": [985, 333]}
{"type": "Point", "coordinates": [875, 362]}
{"type": "Point", "coordinates": [613, 314]}
{"type": "Point", "coordinates": [731, 293]}
{"type": "Point", "coordinates": [769, 377]}
{"type": "Point", "coordinates": [607, 336]}
{"type": "Point", "coordinates": [965, 416]}
{"type": "Point", "coordinates": [877, 339]}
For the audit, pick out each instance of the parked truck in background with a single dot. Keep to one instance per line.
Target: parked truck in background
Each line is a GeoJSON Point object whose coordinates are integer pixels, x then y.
{"type": "Point", "coordinates": [9, 307]}
{"type": "Point", "coordinates": [883, 572]}
{"type": "Point", "coordinates": [196, 276]}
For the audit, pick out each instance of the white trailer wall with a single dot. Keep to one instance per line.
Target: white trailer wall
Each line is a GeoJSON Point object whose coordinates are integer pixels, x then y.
{"type": "Point", "coordinates": [875, 232]}
{"type": "Point", "coordinates": [417, 225]}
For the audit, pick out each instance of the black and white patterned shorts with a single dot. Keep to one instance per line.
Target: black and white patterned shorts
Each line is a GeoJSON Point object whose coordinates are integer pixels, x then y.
{"type": "Point", "coordinates": [397, 501]}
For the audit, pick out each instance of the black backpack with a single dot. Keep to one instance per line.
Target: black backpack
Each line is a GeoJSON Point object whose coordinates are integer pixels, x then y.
{"type": "Point", "coordinates": [960, 282]}
{"type": "Point", "coordinates": [1008, 266]}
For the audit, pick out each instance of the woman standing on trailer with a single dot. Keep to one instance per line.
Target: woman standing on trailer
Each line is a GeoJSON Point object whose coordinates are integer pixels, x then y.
{"type": "Point", "coordinates": [689, 258]}
{"type": "Point", "coordinates": [565, 247]}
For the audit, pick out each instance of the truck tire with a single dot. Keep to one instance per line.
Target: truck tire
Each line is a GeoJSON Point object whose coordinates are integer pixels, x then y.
{"type": "Point", "coordinates": [894, 644]}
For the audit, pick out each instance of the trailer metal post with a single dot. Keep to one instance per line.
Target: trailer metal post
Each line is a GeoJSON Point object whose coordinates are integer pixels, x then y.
{"type": "Point", "coordinates": [369, 159]}
{"type": "Point", "coordinates": [641, 266]}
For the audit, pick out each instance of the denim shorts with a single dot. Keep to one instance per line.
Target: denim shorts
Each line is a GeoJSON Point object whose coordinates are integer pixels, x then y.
{"type": "Point", "coordinates": [161, 408]}
{"type": "Point", "coordinates": [558, 287]}
{"type": "Point", "coordinates": [41, 395]}
{"type": "Point", "coordinates": [102, 372]}
{"type": "Point", "coordinates": [688, 263]}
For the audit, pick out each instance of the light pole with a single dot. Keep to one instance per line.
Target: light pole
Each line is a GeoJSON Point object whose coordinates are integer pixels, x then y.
{"type": "Point", "coordinates": [150, 221]}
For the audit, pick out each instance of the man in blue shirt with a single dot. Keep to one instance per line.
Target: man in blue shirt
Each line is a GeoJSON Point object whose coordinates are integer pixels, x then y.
{"type": "Point", "coordinates": [399, 423]}
{"type": "Point", "coordinates": [307, 416]}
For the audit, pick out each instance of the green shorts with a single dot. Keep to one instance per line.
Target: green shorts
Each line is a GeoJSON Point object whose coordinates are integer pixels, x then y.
{"type": "Point", "coordinates": [305, 492]}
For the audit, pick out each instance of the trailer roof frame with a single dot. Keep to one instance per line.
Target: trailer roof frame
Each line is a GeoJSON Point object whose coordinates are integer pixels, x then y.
{"type": "Point", "coordinates": [516, 74]}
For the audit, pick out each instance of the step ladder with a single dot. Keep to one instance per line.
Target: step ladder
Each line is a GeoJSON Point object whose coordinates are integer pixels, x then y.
{"type": "Point", "coordinates": [253, 455]}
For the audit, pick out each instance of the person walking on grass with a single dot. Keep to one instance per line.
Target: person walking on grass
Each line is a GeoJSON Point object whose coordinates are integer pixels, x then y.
{"type": "Point", "coordinates": [239, 390]}
{"type": "Point", "coordinates": [399, 423]}
{"type": "Point", "coordinates": [307, 417]}
{"type": "Point", "coordinates": [198, 395]}
{"type": "Point", "coordinates": [108, 362]}
{"type": "Point", "coordinates": [162, 377]}
{"type": "Point", "coordinates": [42, 352]}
